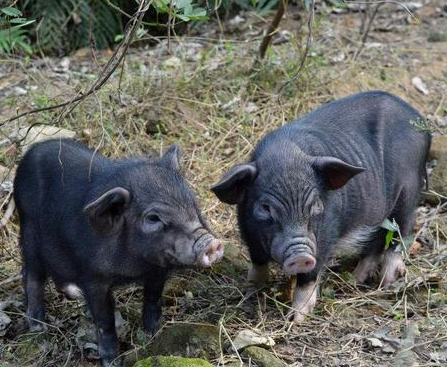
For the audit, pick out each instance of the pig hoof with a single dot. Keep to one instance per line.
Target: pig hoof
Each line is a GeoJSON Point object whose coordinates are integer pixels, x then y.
{"type": "Point", "coordinates": [152, 323]}
{"type": "Point", "coordinates": [151, 329]}
{"type": "Point", "coordinates": [112, 363]}
{"type": "Point", "coordinates": [304, 301]}
{"type": "Point", "coordinates": [36, 327]}
{"type": "Point", "coordinates": [393, 266]}
{"type": "Point", "coordinates": [365, 268]}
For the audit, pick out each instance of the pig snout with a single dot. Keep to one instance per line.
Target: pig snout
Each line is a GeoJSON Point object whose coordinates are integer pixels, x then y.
{"type": "Point", "coordinates": [210, 251]}
{"type": "Point", "coordinates": [298, 259]}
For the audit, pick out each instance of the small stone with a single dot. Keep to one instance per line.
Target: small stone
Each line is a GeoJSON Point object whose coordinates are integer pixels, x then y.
{"type": "Point", "coordinates": [65, 63]}
{"type": "Point", "coordinates": [172, 63]}
{"type": "Point", "coordinates": [246, 338]}
{"type": "Point", "coordinates": [262, 357]}
{"type": "Point", "coordinates": [19, 91]}
{"type": "Point", "coordinates": [373, 44]}
{"type": "Point", "coordinates": [419, 85]}
{"type": "Point", "coordinates": [41, 133]}
{"type": "Point", "coordinates": [251, 107]}
{"type": "Point", "coordinates": [236, 20]}
{"type": "Point", "coordinates": [161, 361]}
{"type": "Point", "coordinates": [339, 57]}
{"type": "Point", "coordinates": [188, 340]}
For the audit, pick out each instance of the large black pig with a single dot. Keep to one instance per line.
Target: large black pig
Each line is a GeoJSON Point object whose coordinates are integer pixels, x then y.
{"type": "Point", "coordinates": [91, 223]}
{"type": "Point", "coordinates": [326, 182]}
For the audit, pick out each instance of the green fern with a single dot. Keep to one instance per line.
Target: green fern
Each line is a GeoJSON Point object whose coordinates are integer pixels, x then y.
{"type": "Point", "coordinates": [66, 25]}
{"type": "Point", "coordinates": [13, 35]}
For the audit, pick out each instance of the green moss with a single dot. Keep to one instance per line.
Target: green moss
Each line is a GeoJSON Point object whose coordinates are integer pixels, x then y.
{"type": "Point", "coordinates": [160, 361]}
{"type": "Point", "coordinates": [262, 357]}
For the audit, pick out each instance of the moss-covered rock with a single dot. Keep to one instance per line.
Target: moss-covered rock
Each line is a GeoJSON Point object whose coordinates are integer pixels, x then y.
{"type": "Point", "coordinates": [262, 357]}
{"type": "Point", "coordinates": [188, 340]}
{"type": "Point", "coordinates": [160, 361]}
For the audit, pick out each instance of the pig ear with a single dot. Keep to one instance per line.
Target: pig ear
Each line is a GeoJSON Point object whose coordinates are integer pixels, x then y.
{"type": "Point", "coordinates": [171, 158]}
{"type": "Point", "coordinates": [231, 187]}
{"type": "Point", "coordinates": [335, 172]}
{"type": "Point", "coordinates": [105, 214]}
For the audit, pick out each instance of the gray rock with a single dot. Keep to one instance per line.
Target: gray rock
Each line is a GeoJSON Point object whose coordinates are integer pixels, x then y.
{"type": "Point", "coordinates": [262, 357]}
{"type": "Point", "coordinates": [188, 340]}
{"type": "Point", "coordinates": [39, 133]}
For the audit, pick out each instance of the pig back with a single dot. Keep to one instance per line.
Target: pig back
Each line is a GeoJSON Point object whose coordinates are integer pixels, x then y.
{"type": "Point", "coordinates": [374, 130]}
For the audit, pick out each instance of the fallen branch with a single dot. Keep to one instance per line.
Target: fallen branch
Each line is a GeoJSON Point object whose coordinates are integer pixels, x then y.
{"type": "Point", "coordinates": [106, 72]}
{"type": "Point", "coordinates": [272, 28]}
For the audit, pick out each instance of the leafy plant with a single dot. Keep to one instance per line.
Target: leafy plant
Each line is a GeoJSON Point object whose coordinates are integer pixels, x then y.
{"type": "Point", "coordinates": [182, 9]}
{"type": "Point", "coordinates": [70, 24]}
{"type": "Point", "coordinates": [13, 35]}
{"type": "Point", "coordinates": [393, 228]}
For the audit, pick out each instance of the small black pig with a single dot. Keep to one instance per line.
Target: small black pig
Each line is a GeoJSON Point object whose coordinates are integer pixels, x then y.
{"type": "Point", "coordinates": [326, 182]}
{"type": "Point", "coordinates": [91, 223]}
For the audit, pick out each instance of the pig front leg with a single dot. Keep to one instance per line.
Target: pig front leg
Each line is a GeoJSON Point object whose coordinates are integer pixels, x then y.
{"type": "Point", "coordinates": [259, 271]}
{"type": "Point", "coordinates": [305, 297]}
{"type": "Point", "coordinates": [102, 305]}
{"type": "Point", "coordinates": [152, 303]}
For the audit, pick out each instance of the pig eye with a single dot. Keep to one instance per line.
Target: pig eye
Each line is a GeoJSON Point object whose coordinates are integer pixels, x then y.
{"type": "Point", "coordinates": [152, 222]}
{"type": "Point", "coordinates": [262, 211]}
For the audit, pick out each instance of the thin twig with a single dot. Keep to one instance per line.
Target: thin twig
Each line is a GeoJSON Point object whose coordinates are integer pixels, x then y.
{"type": "Point", "coordinates": [272, 28]}
{"type": "Point", "coordinates": [367, 28]}
{"type": "Point", "coordinates": [310, 20]}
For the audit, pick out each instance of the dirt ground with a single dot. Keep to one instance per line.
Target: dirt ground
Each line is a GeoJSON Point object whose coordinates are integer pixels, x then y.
{"type": "Point", "coordinates": [208, 94]}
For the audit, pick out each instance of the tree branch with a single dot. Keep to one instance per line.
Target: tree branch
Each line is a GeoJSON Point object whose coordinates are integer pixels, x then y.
{"type": "Point", "coordinates": [272, 28]}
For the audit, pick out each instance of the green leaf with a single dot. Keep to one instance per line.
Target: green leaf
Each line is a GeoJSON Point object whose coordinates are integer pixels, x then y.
{"type": "Point", "coordinates": [18, 20]}
{"type": "Point", "coordinates": [188, 10]}
{"type": "Point", "coordinates": [180, 4]}
{"type": "Point", "coordinates": [12, 12]}
{"type": "Point", "coordinates": [118, 37]}
{"type": "Point", "coordinates": [23, 24]}
{"type": "Point", "coordinates": [388, 239]}
{"type": "Point", "coordinates": [390, 226]}
{"type": "Point", "coordinates": [185, 18]}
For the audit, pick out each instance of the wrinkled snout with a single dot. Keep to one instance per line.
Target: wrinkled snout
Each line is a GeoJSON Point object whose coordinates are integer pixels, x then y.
{"type": "Point", "coordinates": [210, 250]}
{"type": "Point", "coordinates": [298, 259]}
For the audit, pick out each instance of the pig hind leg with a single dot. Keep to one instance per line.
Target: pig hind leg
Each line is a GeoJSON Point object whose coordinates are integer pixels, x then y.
{"type": "Point", "coordinates": [34, 277]}
{"type": "Point", "coordinates": [393, 265]}
{"type": "Point", "coordinates": [370, 256]}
